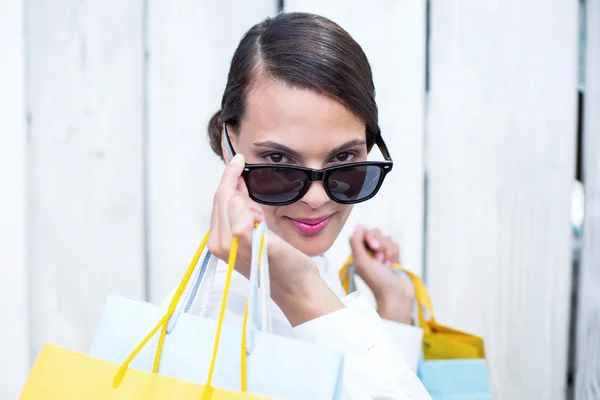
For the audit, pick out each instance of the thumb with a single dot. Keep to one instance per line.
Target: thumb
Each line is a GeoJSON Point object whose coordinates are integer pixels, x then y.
{"type": "Point", "coordinates": [232, 172]}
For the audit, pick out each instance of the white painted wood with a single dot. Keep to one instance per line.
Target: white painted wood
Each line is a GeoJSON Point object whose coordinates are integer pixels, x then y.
{"type": "Point", "coordinates": [84, 94]}
{"type": "Point", "coordinates": [14, 338]}
{"type": "Point", "coordinates": [190, 47]}
{"type": "Point", "coordinates": [501, 136]}
{"type": "Point", "coordinates": [392, 34]}
{"type": "Point", "coordinates": [588, 322]}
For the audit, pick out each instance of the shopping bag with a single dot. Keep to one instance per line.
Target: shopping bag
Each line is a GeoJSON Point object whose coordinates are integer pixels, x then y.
{"type": "Point", "coordinates": [439, 342]}
{"type": "Point", "coordinates": [453, 365]}
{"type": "Point", "coordinates": [276, 366]}
{"type": "Point", "coordinates": [460, 379]}
{"type": "Point", "coordinates": [62, 374]}
{"type": "Point", "coordinates": [409, 337]}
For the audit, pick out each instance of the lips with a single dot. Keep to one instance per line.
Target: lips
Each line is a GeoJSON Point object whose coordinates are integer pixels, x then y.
{"type": "Point", "coordinates": [310, 226]}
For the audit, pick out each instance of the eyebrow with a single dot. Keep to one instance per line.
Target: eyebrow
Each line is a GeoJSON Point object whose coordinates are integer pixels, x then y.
{"type": "Point", "coordinates": [280, 147]}
{"type": "Point", "coordinates": [295, 154]}
{"type": "Point", "coordinates": [346, 146]}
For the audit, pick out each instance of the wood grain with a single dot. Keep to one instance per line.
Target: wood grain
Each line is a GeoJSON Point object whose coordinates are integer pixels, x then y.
{"type": "Point", "coordinates": [14, 335]}
{"type": "Point", "coordinates": [84, 91]}
{"type": "Point", "coordinates": [588, 321]}
{"type": "Point", "coordinates": [501, 136]}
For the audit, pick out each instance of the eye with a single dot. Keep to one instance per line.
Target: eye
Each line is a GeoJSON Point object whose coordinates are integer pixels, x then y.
{"type": "Point", "coordinates": [276, 158]}
{"type": "Point", "coordinates": [345, 157]}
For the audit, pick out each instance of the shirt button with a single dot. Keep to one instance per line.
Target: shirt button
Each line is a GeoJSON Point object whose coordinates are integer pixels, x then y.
{"type": "Point", "coordinates": [370, 349]}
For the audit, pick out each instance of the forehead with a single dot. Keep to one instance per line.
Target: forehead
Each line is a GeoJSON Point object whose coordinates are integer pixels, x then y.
{"type": "Point", "coordinates": [298, 118]}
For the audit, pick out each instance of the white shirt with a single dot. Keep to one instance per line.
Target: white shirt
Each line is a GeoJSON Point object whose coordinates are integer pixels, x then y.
{"type": "Point", "coordinates": [375, 350]}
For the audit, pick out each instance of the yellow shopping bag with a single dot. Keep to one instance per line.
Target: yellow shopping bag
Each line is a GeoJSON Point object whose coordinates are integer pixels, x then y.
{"type": "Point", "coordinates": [439, 342]}
{"type": "Point", "coordinates": [63, 374]}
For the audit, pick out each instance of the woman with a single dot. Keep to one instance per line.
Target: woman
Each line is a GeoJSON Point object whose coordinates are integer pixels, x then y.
{"type": "Point", "coordinates": [300, 102]}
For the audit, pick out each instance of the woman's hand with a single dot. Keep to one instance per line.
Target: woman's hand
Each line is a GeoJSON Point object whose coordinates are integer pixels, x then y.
{"type": "Point", "coordinates": [394, 294]}
{"type": "Point", "coordinates": [296, 285]}
{"type": "Point", "coordinates": [233, 214]}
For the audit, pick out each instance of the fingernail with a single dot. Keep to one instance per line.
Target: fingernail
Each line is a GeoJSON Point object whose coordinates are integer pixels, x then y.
{"type": "Point", "coordinates": [380, 257]}
{"type": "Point", "coordinates": [236, 158]}
{"type": "Point", "coordinates": [375, 244]}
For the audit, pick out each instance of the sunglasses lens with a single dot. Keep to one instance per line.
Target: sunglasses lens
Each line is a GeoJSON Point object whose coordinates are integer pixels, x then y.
{"type": "Point", "coordinates": [275, 185]}
{"type": "Point", "coordinates": [354, 183]}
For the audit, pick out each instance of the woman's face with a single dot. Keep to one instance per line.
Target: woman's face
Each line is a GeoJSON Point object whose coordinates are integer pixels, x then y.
{"type": "Point", "coordinates": [299, 127]}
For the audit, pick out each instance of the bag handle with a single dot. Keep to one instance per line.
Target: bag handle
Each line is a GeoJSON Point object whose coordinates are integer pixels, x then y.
{"type": "Point", "coordinates": [259, 258]}
{"type": "Point", "coordinates": [259, 287]}
{"type": "Point", "coordinates": [207, 263]}
{"type": "Point", "coordinates": [423, 300]}
{"type": "Point", "coordinates": [206, 271]}
{"type": "Point", "coordinates": [164, 321]}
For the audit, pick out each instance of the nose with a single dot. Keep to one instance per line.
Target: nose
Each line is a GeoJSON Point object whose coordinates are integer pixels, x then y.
{"type": "Point", "coordinates": [316, 196]}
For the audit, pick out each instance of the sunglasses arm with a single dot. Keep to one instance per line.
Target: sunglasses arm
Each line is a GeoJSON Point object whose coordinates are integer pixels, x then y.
{"type": "Point", "coordinates": [228, 145]}
{"type": "Point", "coordinates": [383, 148]}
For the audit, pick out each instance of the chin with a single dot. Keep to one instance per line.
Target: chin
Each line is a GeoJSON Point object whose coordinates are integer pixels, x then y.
{"type": "Point", "coordinates": [311, 246]}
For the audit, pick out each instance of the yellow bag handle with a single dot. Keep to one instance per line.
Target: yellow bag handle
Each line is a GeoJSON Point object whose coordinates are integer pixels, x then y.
{"type": "Point", "coordinates": [345, 274]}
{"type": "Point", "coordinates": [163, 322]}
{"type": "Point", "coordinates": [422, 299]}
{"type": "Point", "coordinates": [422, 295]}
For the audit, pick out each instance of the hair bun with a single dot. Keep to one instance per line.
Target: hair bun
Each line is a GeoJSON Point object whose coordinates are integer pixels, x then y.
{"type": "Point", "coordinates": [215, 133]}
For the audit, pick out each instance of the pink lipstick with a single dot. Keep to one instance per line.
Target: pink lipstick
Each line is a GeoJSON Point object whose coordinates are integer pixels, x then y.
{"type": "Point", "coordinates": [311, 226]}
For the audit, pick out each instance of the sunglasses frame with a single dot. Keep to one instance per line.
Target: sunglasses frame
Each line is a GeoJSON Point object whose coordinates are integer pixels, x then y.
{"type": "Point", "coordinates": [314, 175]}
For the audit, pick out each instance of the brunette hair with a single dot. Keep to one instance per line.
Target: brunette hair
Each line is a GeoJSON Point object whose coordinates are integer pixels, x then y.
{"type": "Point", "coordinates": [304, 51]}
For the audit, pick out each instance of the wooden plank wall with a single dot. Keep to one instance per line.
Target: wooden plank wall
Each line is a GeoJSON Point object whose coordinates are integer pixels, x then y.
{"type": "Point", "coordinates": [85, 107]}
{"type": "Point", "coordinates": [392, 34]}
{"type": "Point", "coordinates": [588, 321]}
{"type": "Point", "coordinates": [501, 142]}
{"type": "Point", "coordinates": [108, 176]}
{"type": "Point", "coordinates": [14, 334]}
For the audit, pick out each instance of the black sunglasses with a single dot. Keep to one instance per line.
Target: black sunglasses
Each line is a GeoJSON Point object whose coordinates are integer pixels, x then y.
{"type": "Point", "coordinates": [280, 185]}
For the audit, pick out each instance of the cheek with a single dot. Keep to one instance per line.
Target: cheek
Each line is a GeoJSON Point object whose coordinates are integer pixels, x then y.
{"type": "Point", "coordinates": [343, 213]}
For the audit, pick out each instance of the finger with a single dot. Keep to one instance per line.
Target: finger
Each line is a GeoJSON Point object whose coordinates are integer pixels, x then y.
{"type": "Point", "coordinates": [224, 227]}
{"type": "Point", "coordinates": [357, 244]}
{"type": "Point", "coordinates": [374, 239]}
{"type": "Point", "coordinates": [241, 187]}
{"type": "Point", "coordinates": [241, 206]}
{"type": "Point", "coordinates": [233, 171]}
{"type": "Point", "coordinates": [226, 189]}
{"type": "Point", "coordinates": [392, 250]}
{"type": "Point", "coordinates": [380, 244]}
{"type": "Point", "coordinates": [388, 248]}
{"type": "Point", "coordinates": [258, 216]}
{"type": "Point", "coordinates": [257, 212]}
{"type": "Point", "coordinates": [241, 217]}
{"type": "Point", "coordinates": [214, 238]}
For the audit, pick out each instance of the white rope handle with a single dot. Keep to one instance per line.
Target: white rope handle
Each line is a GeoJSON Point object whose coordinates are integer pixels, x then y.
{"type": "Point", "coordinates": [259, 315]}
